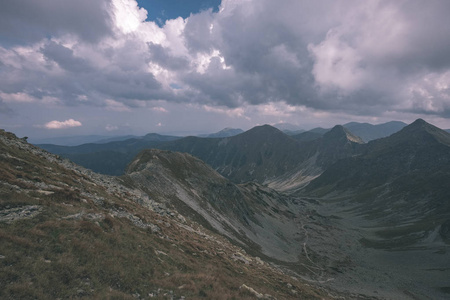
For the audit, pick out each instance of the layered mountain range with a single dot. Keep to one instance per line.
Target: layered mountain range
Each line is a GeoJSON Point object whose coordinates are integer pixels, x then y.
{"type": "Point", "coordinates": [352, 219]}
{"type": "Point", "coordinates": [111, 155]}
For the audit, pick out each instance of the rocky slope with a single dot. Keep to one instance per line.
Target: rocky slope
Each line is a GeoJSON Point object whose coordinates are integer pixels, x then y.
{"type": "Point", "coordinates": [259, 219]}
{"type": "Point", "coordinates": [318, 155]}
{"type": "Point", "coordinates": [67, 232]}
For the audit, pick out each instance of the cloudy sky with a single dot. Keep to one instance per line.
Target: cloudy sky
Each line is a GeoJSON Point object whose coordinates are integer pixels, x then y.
{"type": "Point", "coordinates": [116, 67]}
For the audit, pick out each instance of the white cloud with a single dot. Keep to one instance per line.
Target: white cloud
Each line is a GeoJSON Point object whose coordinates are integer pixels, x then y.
{"type": "Point", "coordinates": [16, 97]}
{"type": "Point", "coordinates": [116, 106]}
{"type": "Point", "coordinates": [278, 109]}
{"type": "Point", "coordinates": [110, 127]}
{"type": "Point", "coordinates": [337, 64]}
{"type": "Point", "coordinates": [231, 112]}
{"type": "Point", "coordinates": [62, 124]}
{"type": "Point", "coordinates": [160, 109]}
{"type": "Point", "coordinates": [128, 16]}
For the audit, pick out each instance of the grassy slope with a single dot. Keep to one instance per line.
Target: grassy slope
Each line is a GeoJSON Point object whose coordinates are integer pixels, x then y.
{"type": "Point", "coordinates": [81, 244]}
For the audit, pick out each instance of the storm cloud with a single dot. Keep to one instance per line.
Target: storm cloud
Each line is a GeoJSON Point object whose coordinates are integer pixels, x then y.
{"type": "Point", "coordinates": [371, 58]}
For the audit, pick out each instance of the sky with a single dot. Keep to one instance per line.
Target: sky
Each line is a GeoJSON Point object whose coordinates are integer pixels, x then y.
{"type": "Point", "coordinates": [114, 67]}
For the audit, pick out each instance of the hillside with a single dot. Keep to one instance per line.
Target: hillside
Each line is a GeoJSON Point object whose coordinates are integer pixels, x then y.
{"type": "Point", "coordinates": [67, 232]}
{"type": "Point", "coordinates": [259, 154]}
{"type": "Point", "coordinates": [410, 169]}
{"type": "Point", "coordinates": [395, 195]}
{"type": "Point", "coordinates": [263, 221]}
{"type": "Point", "coordinates": [317, 155]}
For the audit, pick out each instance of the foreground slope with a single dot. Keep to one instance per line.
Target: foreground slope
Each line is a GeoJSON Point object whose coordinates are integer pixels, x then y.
{"type": "Point", "coordinates": [69, 233]}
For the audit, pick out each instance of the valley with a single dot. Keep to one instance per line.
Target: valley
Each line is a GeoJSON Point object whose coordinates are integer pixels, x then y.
{"type": "Point", "coordinates": [339, 216]}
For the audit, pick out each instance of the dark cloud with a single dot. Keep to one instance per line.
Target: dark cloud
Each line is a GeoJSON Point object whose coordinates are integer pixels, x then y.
{"type": "Point", "coordinates": [4, 109]}
{"type": "Point", "coordinates": [360, 58]}
{"type": "Point", "coordinates": [65, 58]}
{"type": "Point", "coordinates": [352, 56]}
{"type": "Point", "coordinates": [23, 21]}
{"type": "Point", "coordinates": [428, 35]}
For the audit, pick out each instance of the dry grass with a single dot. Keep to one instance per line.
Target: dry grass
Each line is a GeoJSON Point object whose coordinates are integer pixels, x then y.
{"type": "Point", "coordinates": [50, 256]}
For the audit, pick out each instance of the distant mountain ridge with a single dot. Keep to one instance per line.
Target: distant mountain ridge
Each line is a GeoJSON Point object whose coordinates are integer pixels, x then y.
{"type": "Point", "coordinates": [258, 154]}
{"type": "Point", "coordinates": [367, 132]}
{"type": "Point", "coordinates": [263, 154]}
{"type": "Point", "coordinates": [226, 132]}
{"type": "Point", "coordinates": [70, 140]}
{"type": "Point", "coordinates": [268, 156]}
{"type": "Point", "coordinates": [111, 157]}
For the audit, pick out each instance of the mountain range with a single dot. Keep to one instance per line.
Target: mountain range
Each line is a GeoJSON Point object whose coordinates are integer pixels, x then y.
{"type": "Point", "coordinates": [330, 217]}
{"type": "Point", "coordinates": [401, 180]}
{"type": "Point", "coordinates": [112, 157]}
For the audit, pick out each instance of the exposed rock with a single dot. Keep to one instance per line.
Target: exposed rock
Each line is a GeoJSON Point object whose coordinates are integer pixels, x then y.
{"type": "Point", "coordinates": [19, 213]}
{"type": "Point", "coordinates": [250, 290]}
{"type": "Point", "coordinates": [241, 258]}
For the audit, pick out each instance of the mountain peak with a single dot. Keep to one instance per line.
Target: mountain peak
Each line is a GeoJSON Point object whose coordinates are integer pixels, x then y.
{"type": "Point", "coordinates": [419, 133]}
{"type": "Point", "coordinates": [419, 123]}
{"type": "Point", "coordinates": [340, 132]}
{"type": "Point", "coordinates": [265, 127]}
{"type": "Point", "coordinates": [263, 130]}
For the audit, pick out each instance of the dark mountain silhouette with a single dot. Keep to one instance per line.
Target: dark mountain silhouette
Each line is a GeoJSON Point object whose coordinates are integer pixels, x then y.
{"type": "Point", "coordinates": [259, 154]}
